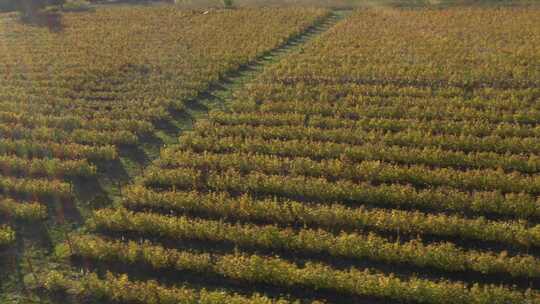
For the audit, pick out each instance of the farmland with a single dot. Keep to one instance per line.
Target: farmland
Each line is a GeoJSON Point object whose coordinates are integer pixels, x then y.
{"type": "Point", "coordinates": [378, 155]}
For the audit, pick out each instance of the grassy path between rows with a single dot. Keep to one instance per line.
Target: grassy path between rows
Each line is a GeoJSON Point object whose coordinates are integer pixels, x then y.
{"type": "Point", "coordinates": [221, 94]}
{"type": "Point", "coordinates": [133, 160]}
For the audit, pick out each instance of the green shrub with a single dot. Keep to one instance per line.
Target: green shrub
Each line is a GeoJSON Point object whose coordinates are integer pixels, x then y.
{"type": "Point", "coordinates": [76, 6]}
{"type": "Point", "coordinates": [7, 5]}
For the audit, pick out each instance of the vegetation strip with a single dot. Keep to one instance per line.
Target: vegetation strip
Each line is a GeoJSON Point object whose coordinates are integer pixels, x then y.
{"type": "Point", "coordinates": [7, 235]}
{"type": "Point", "coordinates": [276, 271]}
{"type": "Point", "coordinates": [443, 256]}
{"type": "Point", "coordinates": [330, 215]}
{"type": "Point", "coordinates": [518, 205]}
{"type": "Point", "coordinates": [31, 211]}
{"type": "Point", "coordinates": [123, 290]}
{"type": "Point", "coordinates": [335, 169]}
{"type": "Point", "coordinates": [435, 156]}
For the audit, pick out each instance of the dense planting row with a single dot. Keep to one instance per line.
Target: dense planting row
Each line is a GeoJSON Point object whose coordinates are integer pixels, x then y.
{"type": "Point", "coordinates": [443, 256]}
{"type": "Point", "coordinates": [12, 212]}
{"type": "Point", "coordinates": [7, 235]}
{"type": "Point", "coordinates": [479, 98]}
{"type": "Point", "coordinates": [123, 290]}
{"type": "Point", "coordinates": [335, 169]}
{"type": "Point", "coordinates": [478, 128]}
{"type": "Point", "coordinates": [518, 205]}
{"type": "Point", "coordinates": [467, 144]}
{"type": "Point", "coordinates": [330, 216]}
{"type": "Point", "coordinates": [431, 156]}
{"type": "Point", "coordinates": [356, 111]}
{"type": "Point", "coordinates": [22, 210]}
{"type": "Point", "coordinates": [279, 272]}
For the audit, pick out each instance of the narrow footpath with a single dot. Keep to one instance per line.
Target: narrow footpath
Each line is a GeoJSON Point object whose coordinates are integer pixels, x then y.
{"type": "Point", "coordinates": [220, 94]}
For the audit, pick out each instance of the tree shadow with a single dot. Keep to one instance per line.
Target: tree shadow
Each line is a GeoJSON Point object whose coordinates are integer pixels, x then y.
{"type": "Point", "coordinates": [49, 19]}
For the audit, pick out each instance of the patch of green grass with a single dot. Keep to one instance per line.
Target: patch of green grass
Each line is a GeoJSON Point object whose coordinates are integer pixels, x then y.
{"type": "Point", "coordinates": [77, 6]}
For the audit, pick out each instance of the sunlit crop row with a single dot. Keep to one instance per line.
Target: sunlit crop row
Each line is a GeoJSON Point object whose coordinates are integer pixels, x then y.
{"type": "Point", "coordinates": [477, 128]}
{"type": "Point", "coordinates": [30, 211]}
{"type": "Point", "coordinates": [336, 169]}
{"type": "Point", "coordinates": [122, 289]}
{"type": "Point", "coordinates": [328, 215]}
{"type": "Point", "coordinates": [443, 112]}
{"type": "Point", "coordinates": [431, 156]}
{"type": "Point", "coordinates": [7, 235]}
{"type": "Point", "coordinates": [279, 272]}
{"type": "Point", "coordinates": [441, 256]}
{"type": "Point", "coordinates": [45, 167]}
{"type": "Point", "coordinates": [519, 205]}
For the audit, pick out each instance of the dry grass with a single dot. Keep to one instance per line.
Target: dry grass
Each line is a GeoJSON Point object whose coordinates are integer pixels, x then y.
{"type": "Point", "coordinates": [348, 4]}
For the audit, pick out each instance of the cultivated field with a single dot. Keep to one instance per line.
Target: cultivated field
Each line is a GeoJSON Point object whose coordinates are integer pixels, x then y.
{"type": "Point", "coordinates": [294, 155]}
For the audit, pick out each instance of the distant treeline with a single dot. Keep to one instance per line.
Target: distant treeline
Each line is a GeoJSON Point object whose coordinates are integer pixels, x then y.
{"type": "Point", "coordinates": [27, 5]}
{"type": "Point", "coordinates": [8, 5]}
{"type": "Point", "coordinates": [12, 5]}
